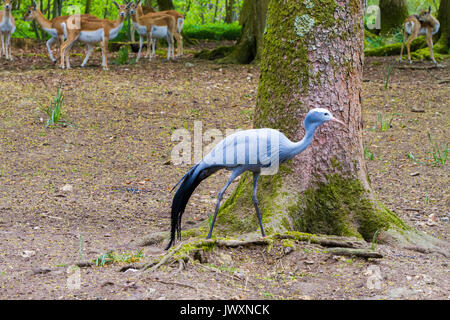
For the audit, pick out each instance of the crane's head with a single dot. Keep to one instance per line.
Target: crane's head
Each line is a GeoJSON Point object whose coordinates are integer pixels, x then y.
{"type": "Point", "coordinates": [318, 116]}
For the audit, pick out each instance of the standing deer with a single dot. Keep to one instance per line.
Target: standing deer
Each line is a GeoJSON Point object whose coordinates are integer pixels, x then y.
{"type": "Point", "coordinates": [153, 25]}
{"type": "Point", "coordinates": [141, 11]}
{"type": "Point", "coordinates": [7, 28]}
{"type": "Point", "coordinates": [92, 30]}
{"type": "Point", "coordinates": [419, 25]}
{"type": "Point", "coordinates": [53, 27]}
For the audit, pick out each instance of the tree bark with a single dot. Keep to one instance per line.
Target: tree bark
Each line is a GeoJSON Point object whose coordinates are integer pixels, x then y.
{"type": "Point", "coordinates": [443, 45]}
{"type": "Point", "coordinates": [250, 43]}
{"type": "Point", "coordinates": [229, 11]}
{"type": "Point", "coordinates": [165, 5]}
{"type": "Point", "coordinates": [393, 13]}
{"type": "Point", "coordinates": [87, 9]}
{"type": "Point", "coordinates": [313, 57]}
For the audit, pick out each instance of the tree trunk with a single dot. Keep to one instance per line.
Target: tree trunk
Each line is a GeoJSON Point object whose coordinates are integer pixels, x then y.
{"type": "Point", "coordinates": [312, 57]}
{"type": "Point", "coordinates": [229, 11]}
{"type": "Point", "coordinates": [393, 13]}
{"type": "Point", "coordinates": [250, 43]}
{"type": "Point", "coordinates": [87, 9]}
{"type": "Point", "coordinates": [165, 5]}
{"type": "Point", "coordinates": [443, 45]}
{"type": "Point", "coordinates": [216, 7]}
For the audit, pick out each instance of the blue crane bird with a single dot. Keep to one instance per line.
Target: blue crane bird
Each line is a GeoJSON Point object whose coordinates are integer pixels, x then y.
{"type": "Point", "coordinates": [255, 150]}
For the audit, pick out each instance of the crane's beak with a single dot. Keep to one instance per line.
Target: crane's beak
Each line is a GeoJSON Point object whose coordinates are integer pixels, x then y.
{"type": "Point", "coordinates": [338, 121]}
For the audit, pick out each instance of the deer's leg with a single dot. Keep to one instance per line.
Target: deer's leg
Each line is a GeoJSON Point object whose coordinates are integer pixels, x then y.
{"type": "Point", "coordinates": [90, 49]}
{"type": "Point", "coordinates": [3, 44]}
{"type": "Point", "coordinates": [411, 38]}
{"type": "Point", "coordinates": [8, 46]}
{"type": "Point", "coordinates": [405, 38]}
{"type": "Point", "coordinates": [105, 53]}
{"type": "Point", "coordinates": [141, 42]}
{"type": "Point", "coordinates": [153, 48]}
{"type": "Point", "coordinates": [69, 47]}
{"type": "Point", "coordinates": [149, 44]}
{"type": "Point", "coordinates": [430, 44]}
{"type": "Point", "coordinates": [49, 44]}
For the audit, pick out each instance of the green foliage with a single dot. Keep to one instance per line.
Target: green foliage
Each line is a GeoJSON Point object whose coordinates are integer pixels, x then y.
{"type": "Point", "coordinates": [54, 111]}
{"type": "Point", "coordinates": [213, 31]}
{"type": "Point", "coordinates": [388, 74]}
{"type": "Point", "coordinates": [123, 56]}
{"type": "Point", "coordinates": [114, 257]}
{"type": "Point", "coordinates": [439, 153]}
{"type": "Point", "coordinates": [383, 124]}
{"type": "Point", "coordinates": [367, 154]}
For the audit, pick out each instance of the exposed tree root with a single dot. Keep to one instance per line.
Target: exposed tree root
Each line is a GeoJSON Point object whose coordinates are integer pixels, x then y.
{"type": "Point", "coordinates": [362, 253]}
{"type": "Point", "coordinates": [325, 241]}
{"type": "Point", "coordinates": [432, 66]}
{"type": "Point", "coordinates": [183, 251]}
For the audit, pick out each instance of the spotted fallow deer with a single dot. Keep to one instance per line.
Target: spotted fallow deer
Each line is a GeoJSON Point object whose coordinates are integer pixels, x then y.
{"type": "Point", "coordinates": [419, 25]}
{"type": "Point", "coordinates": [53, 27]}
{"type": "Point", "coordinates": [159, 26]}
{"type": "Point", "coordinates": [91, 30]}
{"type": "Point", "coordinates": [7, 28]}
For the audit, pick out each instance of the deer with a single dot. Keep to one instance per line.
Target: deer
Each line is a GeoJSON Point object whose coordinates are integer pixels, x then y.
{"type": "Point", "coordinates": [53, 27]}
{"type": "Point", "coordinates": [179, 20]}
{"type": "Point", "coordinates": [7, 28]}
{"type": "Point", "coordinates": [156, 25]}
{"type": "Point", "coordinates": [418, 25]}
{"type": "Point", "coordinates": [91, 30]}
{"type": "Point", "coordinates": [145, 10]}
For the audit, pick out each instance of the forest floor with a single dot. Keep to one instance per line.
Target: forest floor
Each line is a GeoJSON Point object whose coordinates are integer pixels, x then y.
{"type": "Point", "coordinates": [75, 193]}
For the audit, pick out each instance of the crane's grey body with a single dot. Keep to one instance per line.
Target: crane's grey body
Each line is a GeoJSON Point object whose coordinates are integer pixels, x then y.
{"type": "Point", "coordinates": [259, 151]}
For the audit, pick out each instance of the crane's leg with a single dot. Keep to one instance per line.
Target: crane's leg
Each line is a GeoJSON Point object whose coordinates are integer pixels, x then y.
{"type": "Point", "coordinates": [237, 172]}
{"type": "Point", "coordinates": [255, 201]}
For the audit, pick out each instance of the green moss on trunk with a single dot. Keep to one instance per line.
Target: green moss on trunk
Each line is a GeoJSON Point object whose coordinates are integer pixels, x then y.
{"type": "Point", "coordinates": [341, 206]}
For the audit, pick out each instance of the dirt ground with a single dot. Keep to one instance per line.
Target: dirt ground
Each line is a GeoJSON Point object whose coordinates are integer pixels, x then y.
{"type": "Point", "coordinates": [74, 193]}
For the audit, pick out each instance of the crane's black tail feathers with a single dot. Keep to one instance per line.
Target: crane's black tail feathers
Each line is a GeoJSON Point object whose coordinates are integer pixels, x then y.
{"type": "Point", "coordinates": [188, 183]}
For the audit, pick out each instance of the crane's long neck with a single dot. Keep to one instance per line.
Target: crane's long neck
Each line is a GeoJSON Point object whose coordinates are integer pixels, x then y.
{"type": "Point", "coordinates": [298, 147]}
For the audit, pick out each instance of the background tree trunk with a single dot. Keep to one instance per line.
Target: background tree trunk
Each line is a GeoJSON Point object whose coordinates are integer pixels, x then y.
{"type": "Point", "coordinates": [165, 5]}
{"type": "Point", "coordinates": [229, 4]}
{"type": "Point", "coordinates": [393, 13]}
{"type": "Point", "coordinates": [312, 57]}
{"type": "Point", "coordinates": [87, 9]}
{"type": "Point", "coordinates": [250, 43]}
{"type": "Point", "coordinates": [443, 45]}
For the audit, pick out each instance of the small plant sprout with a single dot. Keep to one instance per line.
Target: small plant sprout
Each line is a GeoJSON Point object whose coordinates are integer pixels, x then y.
{"type": "Point", "coordinates": [54, 111]}
{"type": "Point", "coordinates": [388, 74]}
{"type": "Point", "coordinates": [367, 154]}
{"type": "Point", "coordinates": [123, 57]}
{"type": "Point", "coordinates": [439, 153]}
{"type": "Point", "coordinates": [383, 124]}
{"type": "Point", "coordinates": [113, 257]}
